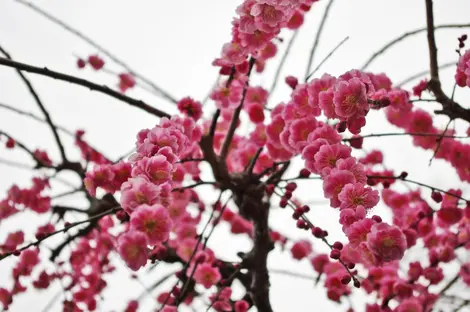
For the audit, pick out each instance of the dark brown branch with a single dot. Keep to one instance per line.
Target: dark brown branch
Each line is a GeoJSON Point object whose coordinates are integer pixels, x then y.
{"type": "Point", "coordinates": [406, 35]}
{"type": "Point", "coordinates": [62, 24]}
{"type": "Point", "coordinates": [450, 108]}
{"type": "Point", "coordinates": [317, 40]}
{"type": "Point", "coordinates": [41, 107]}
{"type": "Point", "coordinates": [252, 163]}
{"type": "Point", "coordinates": [236, 116]}
{"type": "Point", "coordinates": [258, 256]}
{"type": "Point", "coordinates": [182, 188]}
{"type": "Point", "coordinates": [85, 83]}
{"type": "Point", "coordinates": [283, 61]}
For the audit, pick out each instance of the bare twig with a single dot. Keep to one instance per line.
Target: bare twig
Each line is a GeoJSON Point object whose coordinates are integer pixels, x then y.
{"type": "Point", "coordinates": [406, 134]}
{"type": "Point", "coordinates": [85, 38]}
{"type": "Point", "coordinates": [327, 57]}
{"type": "Point", "coordinates": [406, 35]}
{"type": "Point", "coordinates": [439, 141]}
{"type": "Point", "coordinates": [34, 117]}
{"type": "Point", "coordinates": [317, 40]}
{"type": "Point", "coordinates": [422, 73]}
{"type": "Point", "coordinates": [283, 61]}
{"type": "Point", "coordinates": [85, 83]}
{"type": "Point", "coordinates": [41, 107]}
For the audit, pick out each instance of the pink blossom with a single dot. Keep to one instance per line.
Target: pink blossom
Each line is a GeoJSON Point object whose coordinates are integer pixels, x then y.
{"type": "Point", "coordinates": [386, 242]}
{"type": "Point", "coordinates": [207, 275]}
{"type": "Point", "coordinates": [410, 305]}
{"type": "Point", "coordinates": [101, 176]}
{"type": "Point", "coordinates": [328, 155]}
{"type": "Point", "coordinates": [241, 306]}
{"type": "Point", "coordinates": [157, 169]}
{"type": "Point", "coordinates": [350, 98]}
{"type": "Point", "coordinates": [190, 108]}
{"type": "Point", "coordinates": [301, 249]}
{"type": "Point", "coordinates": [350, 164]}
{"type": "Point", "coordinates": [154, 221]}
{"type": "Point", "coordinates": [132, 246]}
{"type": "Point", "coordinates": [138, 191]}
{"type": "Point", "coordinates": [5, 298]}
{"type": "Point", "coordinates": [358, 231]}
{"type": "Point", "coordinates": [326, 132]}
{"type": "Point", "coordinates": [334, 183]}
{"type": "Point", "coordinates": [126, 81]}
{"type": "Point", "coordinates": [354, 195]}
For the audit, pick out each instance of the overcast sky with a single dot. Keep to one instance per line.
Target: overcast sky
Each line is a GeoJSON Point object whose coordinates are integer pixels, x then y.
{"type": "Point", "coordinates": [174, 43]}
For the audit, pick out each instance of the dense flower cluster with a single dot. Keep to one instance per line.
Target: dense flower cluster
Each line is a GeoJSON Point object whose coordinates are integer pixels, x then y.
{"type": "Point", "coordinates": [142, 209]}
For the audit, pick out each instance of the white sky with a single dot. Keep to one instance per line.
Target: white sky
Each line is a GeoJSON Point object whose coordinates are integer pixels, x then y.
{"type": "Point", "coordinates": [174, 43]}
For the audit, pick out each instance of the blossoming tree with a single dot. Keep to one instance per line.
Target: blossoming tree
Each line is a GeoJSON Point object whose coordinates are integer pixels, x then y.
{"type": "Point", "coordinates": [149, 208]}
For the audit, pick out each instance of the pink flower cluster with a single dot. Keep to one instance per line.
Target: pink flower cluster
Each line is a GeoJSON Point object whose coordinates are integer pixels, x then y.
{"type": "Point", "coordinates": [462, 75]}
{"type": "Point", "coordinates": [258, 22]}
{"type": "Point", "coordinates": [451, 150]}
{"type": "Point", "coordinates": [88, 153]}
{"type": "Point", "coordinates": [295, 130]}
{"type": "Point", "coordinates": [32, 198]}
{"type": "Point", "coordinates": [147, 192]}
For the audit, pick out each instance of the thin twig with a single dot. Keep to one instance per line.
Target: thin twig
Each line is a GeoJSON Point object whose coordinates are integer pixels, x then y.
{"type": "Point", "coordinates": [420, 74]}
{"type": "Point", "coordinates": [449, 284]}
{"type": "Point", "coordinates": [327, 57]}
{"type": "Point", "coordinates": [293, 274]}
{"type": "Point", "coordinates": [406, 134]}
{"type": "Point", "coordinates": [85, 38]}
{"type": "Point", "coordinates": [39, 164]}
{"type": "Point", "coordinates": [236, 116]}
{"type": "Point", "coordinates": [155, 285]}
{"type": "Point", "coordinates": [417, 183]}
{"type": "Point", "coordinates": [85, 83]}
{"type": "Point", "coordinates": [63, 230]}
{"type": "Point", "coordinates": [439, 141]}
{"type": "Point", "coordinates": [34, 117]}
{"type": "Point", "coordinates": [404, 36]}
{"type": "Point", "coordinates": [283, 61]}
{"type": "Point", "coordinates": [43, 109]}
{"type": "Point", "coordinates": [317, 40]}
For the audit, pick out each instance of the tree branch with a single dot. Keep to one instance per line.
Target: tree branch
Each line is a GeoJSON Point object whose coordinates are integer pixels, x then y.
{"type": "Point", "coordinates": [404, 36]}
{"type": "Point", "coordinates": [85, 83]}
{"type": "Point", "coordinates": [317, 40]}
{"type": "Point", "coordinates": [283, 61]}
{"type": "Point", "coordinates": [422, 73]}
{"type": "Point", "coordinates": [34, 117]}
{"type": "Point", "coordinates": [236, 116]}
{"type": "Point", "coordinates": [449, 107]}
{"type": "Point", "coordinates": [327, 57]}
{"type": "Point", "coordinates": [41, 107]}
{"type": "Point", "coordinates": [118, 61]}
{"type": "Point", "coordinates": [39, 164]}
